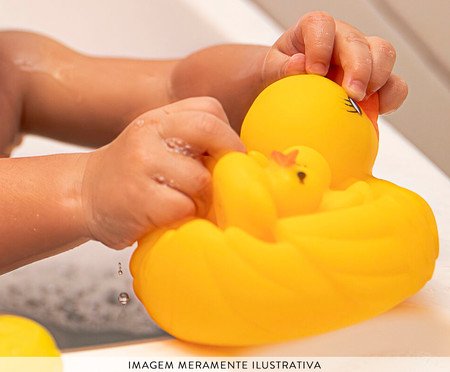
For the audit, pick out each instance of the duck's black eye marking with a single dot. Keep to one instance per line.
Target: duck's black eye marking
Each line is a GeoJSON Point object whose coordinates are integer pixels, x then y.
{"type": "Point", "coordinates": [301, 176]}
{"type": "Point", "coordinates": [353, 105]}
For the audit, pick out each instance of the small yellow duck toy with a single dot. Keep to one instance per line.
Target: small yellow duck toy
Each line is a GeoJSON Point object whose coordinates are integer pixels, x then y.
{"type": "Point", "coordinates": [28, 346]}
{"type": "Point", "coordinates": [22, 337]}
{"type": "Point", "coordinates": [301, 238]}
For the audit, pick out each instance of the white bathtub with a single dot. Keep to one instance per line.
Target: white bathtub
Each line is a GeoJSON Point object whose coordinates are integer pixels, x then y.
{"type": "Point", "coordinates": [75, 292]}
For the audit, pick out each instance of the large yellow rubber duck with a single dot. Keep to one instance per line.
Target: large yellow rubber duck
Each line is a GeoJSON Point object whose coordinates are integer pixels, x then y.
{"type": "Point", "coordinates": [301, 238]}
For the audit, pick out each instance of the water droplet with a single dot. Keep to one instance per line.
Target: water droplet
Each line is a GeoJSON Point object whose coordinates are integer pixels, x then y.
{"type": "Point", "coordinates": [120, 272]}
{"type": "Point", "coordinates": [123, 298]}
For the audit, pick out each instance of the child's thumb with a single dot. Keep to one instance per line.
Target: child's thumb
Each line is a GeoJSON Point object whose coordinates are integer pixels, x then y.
{"type": "Point", "coordinates": [279, 65]}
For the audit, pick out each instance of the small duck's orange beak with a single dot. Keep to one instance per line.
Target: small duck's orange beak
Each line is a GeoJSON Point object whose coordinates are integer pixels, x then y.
{"type": "Point", "coordinates": [285, 160]}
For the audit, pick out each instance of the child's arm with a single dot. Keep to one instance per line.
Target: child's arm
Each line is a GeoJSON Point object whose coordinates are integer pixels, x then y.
{"type": "Point", "coordinates": [151, 175]}
{"type": "Point", "coordinates": [87, 100]}
{"type": "Point", "coordinates": [40, 208]}
{"type": "Point", "coordinates": [63, 94]}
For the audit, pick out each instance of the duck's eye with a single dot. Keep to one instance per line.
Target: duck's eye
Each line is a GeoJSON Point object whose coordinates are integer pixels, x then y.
{"type": "Point", "coordinates": [353, 106]}
{"type": "Point", "coordinates": [301, 176]}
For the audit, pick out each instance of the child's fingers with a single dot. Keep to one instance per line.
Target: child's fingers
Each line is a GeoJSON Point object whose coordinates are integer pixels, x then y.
{"type": "Point", "coordinates": [313, 36]}
{"type": "Point", "coordinates": [278, 65]}
{"type": "Point", "coordinates": [352, 53]}
{"type": "Point", "coordinates": [166, 205]}
{"type": "Point", "coordinates": [317, 30]}
{"type": "Point", "coordinates": [210, 105]}
{"type": "Point", "coordinates": [392, 94]}
{"type": "Point", "coordinates": [186, 175]}
{"type": "Point", "coordinates": [383, 59]}
{"type": "Point", "coordinates": [180, 172]}
{"type": "Point", "coordinates": [204, 132]}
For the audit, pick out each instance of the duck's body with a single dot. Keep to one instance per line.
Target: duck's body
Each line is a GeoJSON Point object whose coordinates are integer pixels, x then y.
{"type": "Point", "coordinates": [299, 243]}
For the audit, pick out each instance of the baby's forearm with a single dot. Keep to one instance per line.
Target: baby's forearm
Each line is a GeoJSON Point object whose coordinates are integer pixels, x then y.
{"type": "Point", "coordinates": [77, 98]}
{"type": "Point", "coordinates": [40, 207]}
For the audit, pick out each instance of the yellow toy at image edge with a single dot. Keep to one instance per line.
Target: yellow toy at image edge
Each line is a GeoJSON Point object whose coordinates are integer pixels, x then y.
{"type": "Point", "coordinates": [22, 337]}
{"type": "Point", "coordinates": [301, 238]}
{"type": "Point", "coordinates": [27, 346]}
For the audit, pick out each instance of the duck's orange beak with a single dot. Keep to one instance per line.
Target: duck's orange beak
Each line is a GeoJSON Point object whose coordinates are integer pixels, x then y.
{"type": "Point", "coordinates": [285, 160]}
{"type": "Point", "coordinates": [371, 107]}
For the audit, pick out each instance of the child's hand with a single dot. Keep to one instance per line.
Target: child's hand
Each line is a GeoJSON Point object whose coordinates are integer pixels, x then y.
{"type": "Point", "coordinates": [319, 42]}
{"type": "Point", "coordinates": [152, 174]}
{"type": "Point", "coordinates": [236, 74]}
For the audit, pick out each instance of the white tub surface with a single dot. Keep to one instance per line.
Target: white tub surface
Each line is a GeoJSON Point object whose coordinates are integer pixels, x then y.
{"type": "Point", "coordinates": [158, 28]}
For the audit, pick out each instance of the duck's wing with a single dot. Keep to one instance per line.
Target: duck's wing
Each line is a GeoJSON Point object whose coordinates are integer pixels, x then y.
{"type": "Point", "coordinates": [380, 252]}
{"type": "Point", "coordinates": [241, 196]}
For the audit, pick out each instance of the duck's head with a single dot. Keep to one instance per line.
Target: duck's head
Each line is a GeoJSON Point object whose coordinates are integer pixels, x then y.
{"type": "Point", "coordinates": [313, 111]}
